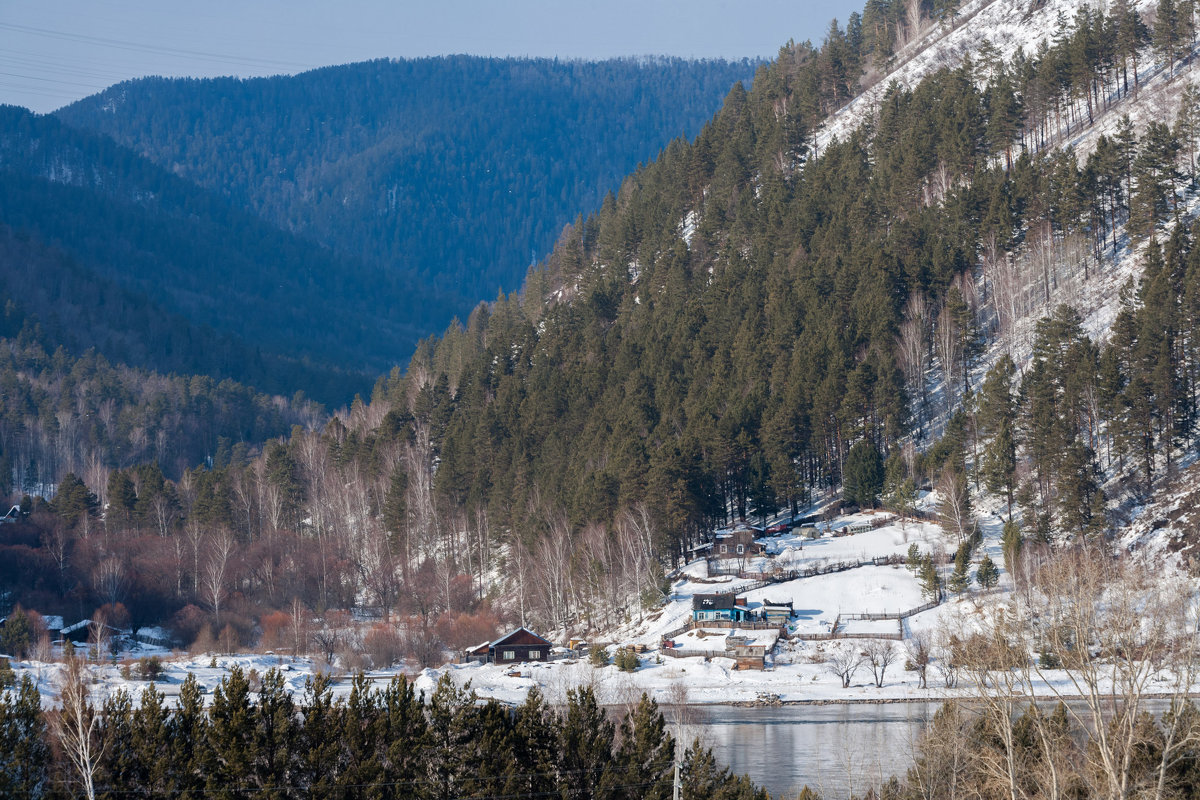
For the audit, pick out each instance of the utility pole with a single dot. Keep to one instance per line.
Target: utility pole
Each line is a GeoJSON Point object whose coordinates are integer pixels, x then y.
{"type": "Point", "coordinates": [677, 783]}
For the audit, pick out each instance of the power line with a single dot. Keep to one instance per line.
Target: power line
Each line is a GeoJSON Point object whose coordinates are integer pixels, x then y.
{"type": "Point", "coordinates": [138, 47]}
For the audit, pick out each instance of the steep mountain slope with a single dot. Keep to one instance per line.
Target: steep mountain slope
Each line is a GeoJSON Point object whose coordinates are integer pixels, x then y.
{"type": "Point", "coordinates": [449, 171]}
{"type": "Point", "coordinates": [748, 325]}
{"type": "Point", "coordinates": [200, 284]}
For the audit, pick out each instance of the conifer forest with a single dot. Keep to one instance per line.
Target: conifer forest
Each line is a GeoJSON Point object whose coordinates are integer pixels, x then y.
{"type": "Point", "coordinates": [374, 363]}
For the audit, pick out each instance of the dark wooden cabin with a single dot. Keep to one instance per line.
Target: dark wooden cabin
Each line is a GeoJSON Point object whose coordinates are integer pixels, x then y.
{"type": "Point", "coordinates": [520, 645]}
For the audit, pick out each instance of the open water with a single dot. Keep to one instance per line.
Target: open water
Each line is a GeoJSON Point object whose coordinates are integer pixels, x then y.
{"type": "Point", "coordinates": [837, 750]}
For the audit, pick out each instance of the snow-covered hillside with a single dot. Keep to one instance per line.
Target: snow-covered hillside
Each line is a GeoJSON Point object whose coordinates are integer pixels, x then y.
{"type": "Point", "coordinates": [1007, 26]}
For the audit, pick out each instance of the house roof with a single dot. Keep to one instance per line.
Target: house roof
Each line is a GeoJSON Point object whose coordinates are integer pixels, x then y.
{"type": "Point", "coordinates": [713, 602]}
{"type": "Point", "coordinates": [521, 636]}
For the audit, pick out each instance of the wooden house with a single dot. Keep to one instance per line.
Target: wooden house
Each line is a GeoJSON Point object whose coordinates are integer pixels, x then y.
{"type": "Point", "coordinates": [709, 607]}
{"type": "Point", "coordinates": [741, 543]}
{"type": "Point", "coordinates": [512, 648]}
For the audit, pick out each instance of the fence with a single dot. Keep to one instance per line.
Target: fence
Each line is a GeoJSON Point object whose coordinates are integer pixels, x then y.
{"type": "Point", "coordinates": [780, 576]}
{"type": "Point", "coordinates": [897, 615]}
{"type": "Point", "coordinates": [674, 652]}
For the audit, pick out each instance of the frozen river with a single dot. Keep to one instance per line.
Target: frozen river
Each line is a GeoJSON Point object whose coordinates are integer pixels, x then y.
{"type": "Point", "coordinates": [836, 749]}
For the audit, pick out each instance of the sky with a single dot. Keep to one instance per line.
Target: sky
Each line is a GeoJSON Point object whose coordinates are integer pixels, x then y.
{"type": "Point", "coordinates": [53, 52]}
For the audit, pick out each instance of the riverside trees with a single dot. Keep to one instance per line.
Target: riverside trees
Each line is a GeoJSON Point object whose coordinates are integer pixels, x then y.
{"type": "Point", "coordinates": [377, 742]}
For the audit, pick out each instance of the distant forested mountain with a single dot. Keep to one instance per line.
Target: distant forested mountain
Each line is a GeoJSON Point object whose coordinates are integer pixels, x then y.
{"type": "Point", "coordinates": [110, 251]}
{"type": "Point", "coordinates": [454, 172]}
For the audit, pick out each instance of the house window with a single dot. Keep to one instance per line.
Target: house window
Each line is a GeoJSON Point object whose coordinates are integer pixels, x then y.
{"type": "Point", "coordinates": [535, 654]}
{"type": "Point", "coordinates": [741, 549]}
{"type": "Point", "coordinates": [509, 655]}
{"type": "Point", "coordinates": [724, 548]}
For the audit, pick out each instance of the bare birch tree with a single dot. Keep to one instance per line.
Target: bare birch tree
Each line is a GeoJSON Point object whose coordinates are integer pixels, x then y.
{"type": "Point", "coordinates": [77, 726]}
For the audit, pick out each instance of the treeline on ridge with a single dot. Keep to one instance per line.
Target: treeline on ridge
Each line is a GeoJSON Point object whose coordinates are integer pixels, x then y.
{"type": "Point", "coordinates": [454, 172]}
{"type": "Point", "coordinates": [163, 275]}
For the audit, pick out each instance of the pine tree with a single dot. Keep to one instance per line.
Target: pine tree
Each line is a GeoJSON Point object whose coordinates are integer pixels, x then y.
{"type": "Point", "coordinates": [960, 579]}
{"type": "Point", "coordinates": [931, 582]}
{"type": "Point", "coordinates": [1010, 543]}
{"type": "Point", "coordinates": [451, 730]}
{"type": "Point", "coordinates": [188, 735]}
{"type": "Point", "coordinates": [988, 574]}
{"type": "Point", "coordinates": [997, 419]}
{"type": "Point", "coordinates": [230, 736]}
{"type": "Point", "coordinates": [646, 754]}
{"type": "Point", "coordinates": [534, 748]}
{"type": "Point", "coordinates": [320, 754]}
{"type": "Point", "coordinates": [24, 747]}
{"type": "Point", "coordinates": [17, 635]}
{"type": "Point", "coordinates": [585, 743]}
{"type": "Point", "coordinates": [152, 742]}
{"type": "Point", "coordinates": [863, 480]}
{"type": "Point", "coordinates": [273, 745]}
{"type": "Point", "coordinates": [402, 729]}
{"type": "Point", "coordinates": [913, 560]}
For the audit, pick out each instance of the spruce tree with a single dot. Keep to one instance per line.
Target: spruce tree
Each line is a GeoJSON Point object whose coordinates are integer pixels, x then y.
{"type": "Point", "coordinates": [646, 754]}
{"type": "Point", "coordinates": [988, 574]}
{"type": "Point", "coordinates": [960, 578]}
{"type": "Point", "coordinates": [24, 747]}
{"type": "Point", "coordinates": [931, 582]}
{"type": "Point", "coordinates": [585, 744]}
{"type": "Point", "coordinates": [863, 479]}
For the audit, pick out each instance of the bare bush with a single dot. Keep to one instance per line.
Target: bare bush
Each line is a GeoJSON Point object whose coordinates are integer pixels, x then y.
{"type": "Point", "coordinates": [843, 660]}
{"type": "Point", "coordinates": [879, 654]}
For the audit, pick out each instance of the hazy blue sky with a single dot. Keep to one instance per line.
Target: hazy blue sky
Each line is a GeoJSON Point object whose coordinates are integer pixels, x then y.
{"type": "Point", "coordinates": [56, 51]}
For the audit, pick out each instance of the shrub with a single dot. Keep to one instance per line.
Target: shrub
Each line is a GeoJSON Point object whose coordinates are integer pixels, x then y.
{"type": "Point", "coordinates": [275, 626]}
{"type": "Point", "coordinates": [7, 676]}
{"type": "Point", "coordinates": [1048, 659]}
{"type": "Point", "coordinates": [150, 668]}
{"type": "Point", "coordinates": [626, 660]}
{"type": "Point", "coordinates": [188, 623]}
{"type": "Point", "coordinates": [598, 656]}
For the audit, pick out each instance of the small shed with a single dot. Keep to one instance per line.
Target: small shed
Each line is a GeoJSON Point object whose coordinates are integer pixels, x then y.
{"type": "Point", "coordinates": [747, 653]}
{"type": "Point", "coordinates": [520, 645]}
{"type": "Point", "coordinates": [776, 611]}
{"type": "Point", "coordinates": [478, 653]}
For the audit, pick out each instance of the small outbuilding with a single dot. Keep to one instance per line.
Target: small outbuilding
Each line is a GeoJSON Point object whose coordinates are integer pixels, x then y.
{"type": "Point", "coordinates": [776, 611]}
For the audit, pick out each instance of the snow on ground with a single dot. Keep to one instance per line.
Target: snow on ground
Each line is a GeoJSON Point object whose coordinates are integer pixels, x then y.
{"type": "Point", "coordinates": [1007, 25]}
{"type": "Point", "coordinates": [822, 598]}
{"type": "Point", "coordinates": [795, 551]}
{"type": "Point", "coordinates": [713, 639]}
{"type": "Point", "coordinates": [860, 627]}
